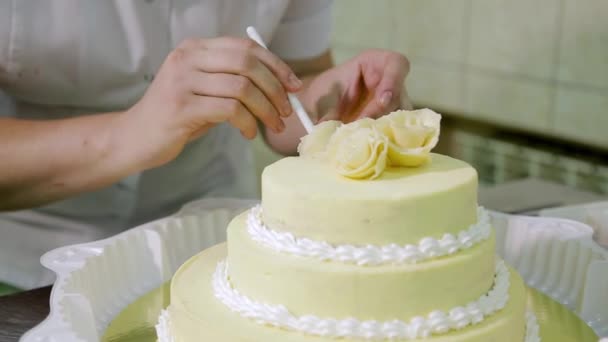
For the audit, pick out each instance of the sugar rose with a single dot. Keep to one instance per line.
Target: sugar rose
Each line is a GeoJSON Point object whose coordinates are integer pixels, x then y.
{"type": "Point", "coordinates": [344, 131]}
{"type": "Point", "coordinates": [411, 134]}
{"type": "Point", "coordinates": [315, 143]}
{"type": "Point", "coordinates": [360, 153]}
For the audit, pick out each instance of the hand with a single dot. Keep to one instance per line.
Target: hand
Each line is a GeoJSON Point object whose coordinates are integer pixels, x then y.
{"type": "Point", "coordinates": [369, 85]}
{"type": "Point", "coordinates": [204, 82]}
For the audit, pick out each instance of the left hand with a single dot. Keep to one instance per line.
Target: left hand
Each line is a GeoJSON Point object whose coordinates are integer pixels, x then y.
{"type": "Point", "coordinates": [368, 85]}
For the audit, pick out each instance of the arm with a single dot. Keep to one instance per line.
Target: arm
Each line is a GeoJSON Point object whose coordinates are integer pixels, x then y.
{"type": "Point", "coordinates": [43, 161]}
{"type": "Point", "coordinates": [202, 83]}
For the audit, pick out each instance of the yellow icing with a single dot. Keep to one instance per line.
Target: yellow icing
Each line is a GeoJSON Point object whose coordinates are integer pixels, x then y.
{"type": "Point", "coordinates": [333, 289]}
{"type": "Point", "coordinates": [403, 205]}
{"type": "Point", "coordinates": [196, 315]}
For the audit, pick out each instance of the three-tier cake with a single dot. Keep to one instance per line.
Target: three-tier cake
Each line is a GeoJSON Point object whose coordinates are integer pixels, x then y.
{"type": "Point", "coordinates": [365, 236]}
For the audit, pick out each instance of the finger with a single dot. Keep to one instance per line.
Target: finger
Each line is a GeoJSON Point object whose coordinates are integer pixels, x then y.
{"type": "Point", "coordinates": [392, 81]}
{"type": "Point", "coordinates": [200, 132]}
{"type": "Point", "coordinates": [212, 110]}
{"type": "Point", "coordinates": [233, 62]}
{"type": "Point", "coordinates": [245, 122]}
{"type": "Point", "coordinates": [242, 89]}
{"type": "Point", "coordinates": [388, 91]}
{"type": "Point", "coordinates": [279, 68]}
{"type": "Point", "coordinates": [355, 99]}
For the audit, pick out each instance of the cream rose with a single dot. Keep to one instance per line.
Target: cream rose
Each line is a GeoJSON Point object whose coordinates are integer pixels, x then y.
{"type": "Point", "coordinates": [315, 143]}
{"type": "Point", "coordinates": [412, 135]}
{"type": "Point", "coordinates": [344, 131]}
{"type": "Point", "coordinates": [359, 153]}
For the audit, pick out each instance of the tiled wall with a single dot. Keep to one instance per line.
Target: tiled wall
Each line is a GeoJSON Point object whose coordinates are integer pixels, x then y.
{"type": "Point", "coordinates": [535, 65]}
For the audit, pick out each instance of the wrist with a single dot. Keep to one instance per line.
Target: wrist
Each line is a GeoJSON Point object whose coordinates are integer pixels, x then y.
{"type": "Point", "coordinates": [120, 148]}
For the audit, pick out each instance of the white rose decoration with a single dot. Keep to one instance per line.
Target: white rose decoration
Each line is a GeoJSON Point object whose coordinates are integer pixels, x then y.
{"type": "Point", "coordinates": [364, 148]}
{"type": "Point", "coordinates": [315, 143]}
{"type": "Point", "coordinates": [344, 131]}
{"type": "Point", "coordinates": [412, 135]}
{"type": "Point", "coordinates": [359, 153]}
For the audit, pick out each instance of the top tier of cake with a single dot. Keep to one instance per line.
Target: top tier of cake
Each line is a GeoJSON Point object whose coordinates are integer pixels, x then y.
{"type": "Point", "coordinates": [404, 205]}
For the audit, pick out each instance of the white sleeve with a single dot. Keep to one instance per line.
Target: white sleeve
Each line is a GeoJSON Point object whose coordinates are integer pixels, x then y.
{"type": "Point", "coordinates": [304, 31]}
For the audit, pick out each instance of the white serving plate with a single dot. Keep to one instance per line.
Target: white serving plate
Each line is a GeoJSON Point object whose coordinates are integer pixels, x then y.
{"type": "Point", "coordinates": [595, 214]}
{"type": "Point", "coordinates": [96, 280]}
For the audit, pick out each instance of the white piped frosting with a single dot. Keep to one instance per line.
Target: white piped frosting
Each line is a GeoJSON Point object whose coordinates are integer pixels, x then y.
{"type": "Point", "coordinates": [532, 329]}
{"type": "Point", "coordinates": [163, 332]}
{"type": "Point", "coordinates": [427, 248]}
{"type": "Point", "coordinates": [437, 322]}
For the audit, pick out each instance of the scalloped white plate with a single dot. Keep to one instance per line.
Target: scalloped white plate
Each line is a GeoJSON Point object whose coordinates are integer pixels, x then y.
{"type": "Point", "coordinates": [96, 280]}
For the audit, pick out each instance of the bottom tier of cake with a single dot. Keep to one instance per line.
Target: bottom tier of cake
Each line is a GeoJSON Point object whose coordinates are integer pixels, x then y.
{"type": "Point", "coordinates": [196, 315]}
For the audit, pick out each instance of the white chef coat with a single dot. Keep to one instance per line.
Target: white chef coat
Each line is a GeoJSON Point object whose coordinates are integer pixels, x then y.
{"type": "Point", "coordinates": [64, 58]}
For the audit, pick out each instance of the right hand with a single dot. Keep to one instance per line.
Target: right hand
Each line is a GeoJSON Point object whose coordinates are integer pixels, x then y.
{"type": "Point", "coordinates": [204, 82]}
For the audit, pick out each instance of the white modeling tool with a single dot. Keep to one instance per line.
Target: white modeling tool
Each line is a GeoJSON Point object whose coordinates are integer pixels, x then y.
{"type": "Point", "coordinates": [293, 99]}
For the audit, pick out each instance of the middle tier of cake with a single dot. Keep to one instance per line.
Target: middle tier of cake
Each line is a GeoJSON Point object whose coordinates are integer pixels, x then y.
{"type": "Point", "coordinates": [335, 289]}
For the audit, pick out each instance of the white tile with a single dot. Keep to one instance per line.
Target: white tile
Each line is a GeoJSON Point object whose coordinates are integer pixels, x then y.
{"type": "Point", "coordinates": [362, 23]}
{"type": "Point", "coordinates": [433, 29]}
{"type": "Point", "coordinates": [517, 36]}
{"type": "Point", "coordinates": [582, 116]}
{"type": "Point", "coordinates": [507, 101]}
{"type": "Point", "coordinates": [584, 43]}
{"type": "Point", "coordinates": [436, 86]}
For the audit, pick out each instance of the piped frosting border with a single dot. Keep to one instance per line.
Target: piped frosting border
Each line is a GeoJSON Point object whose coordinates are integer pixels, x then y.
{"type": "Point", "coordinates": [163, 329]}
{"type": "Point", "coordinates": [368, 255]}
{"type": "Point", "coordinates": [436, 322]}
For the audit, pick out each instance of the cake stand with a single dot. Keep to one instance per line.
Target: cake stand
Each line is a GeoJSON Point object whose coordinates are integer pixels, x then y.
{"type": "Point", "coordinates": [114, 289]}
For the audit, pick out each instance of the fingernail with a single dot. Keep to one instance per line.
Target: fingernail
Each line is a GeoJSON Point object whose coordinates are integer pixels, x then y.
{"type": "Point", "coordinates": [386, 98]}
{"type": "Point", "coordinates": [294, 81]}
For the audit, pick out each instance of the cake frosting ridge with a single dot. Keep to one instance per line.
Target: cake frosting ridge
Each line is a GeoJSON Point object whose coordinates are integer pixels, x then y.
{"type": "Point", "coordinates": [366, 236]}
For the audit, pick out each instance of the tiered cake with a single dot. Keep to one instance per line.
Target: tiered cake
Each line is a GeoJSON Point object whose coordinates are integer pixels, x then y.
{"type": "Point", "coordinates": [365, 236]}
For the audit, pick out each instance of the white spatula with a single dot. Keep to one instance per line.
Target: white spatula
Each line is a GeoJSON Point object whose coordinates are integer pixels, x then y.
{"type": "Point", "coordinates": [293, 99]}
